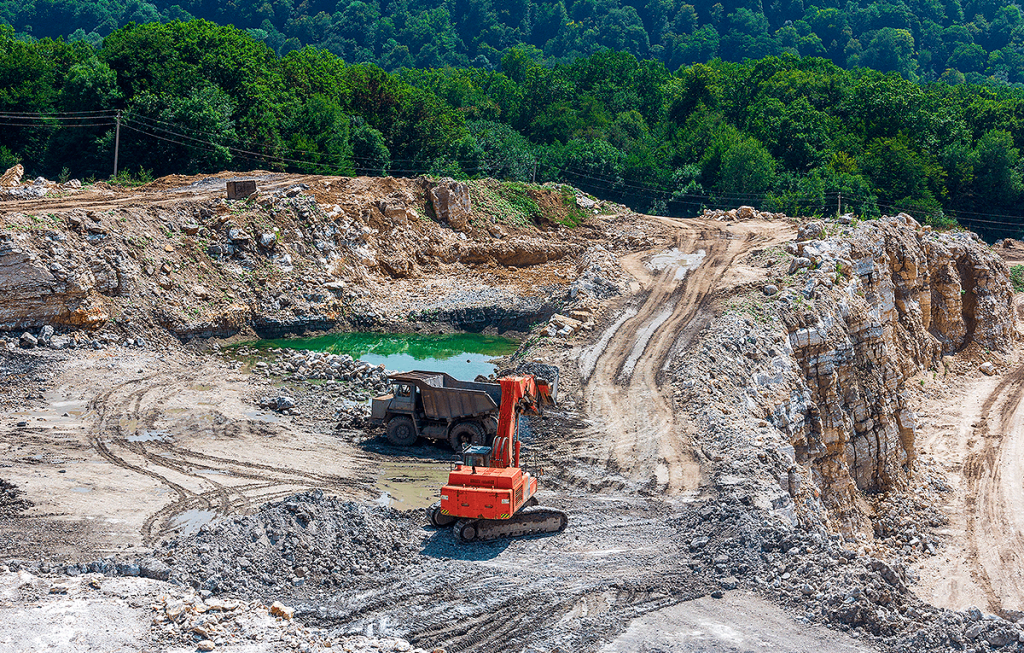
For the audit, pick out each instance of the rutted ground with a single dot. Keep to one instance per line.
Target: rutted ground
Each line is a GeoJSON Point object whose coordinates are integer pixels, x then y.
{"type": "Point", "coordinates": [702, 445]}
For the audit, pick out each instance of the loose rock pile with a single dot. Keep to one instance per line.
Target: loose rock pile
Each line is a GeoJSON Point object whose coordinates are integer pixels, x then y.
{"type": "Point", "coordinates": [304, 539]}
{"type": "Point", "coordinates": [294, 365]}
{"type": "Point", "coordinates": [11, 502]}
{"type": "Point", "coordinates": [741, 213]}
{"type": "Point", "coordinates": [210, 623]}
{"type": "Point", "coordinates": [12, 188]}
{"type": "Point", "coordinates": [47, 338]}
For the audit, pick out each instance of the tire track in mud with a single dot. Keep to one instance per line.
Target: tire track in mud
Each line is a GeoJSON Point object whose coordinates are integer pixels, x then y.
{"type": "Point", "coordinates": [121, 415]}
{"type": "Point", "coordinates": [635, 435]}
{"type": "Point", "coordinates": [994, 501]}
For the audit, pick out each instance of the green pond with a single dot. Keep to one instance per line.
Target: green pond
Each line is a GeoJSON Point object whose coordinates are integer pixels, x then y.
{"type": "Point", "coordinates": [463, 355]}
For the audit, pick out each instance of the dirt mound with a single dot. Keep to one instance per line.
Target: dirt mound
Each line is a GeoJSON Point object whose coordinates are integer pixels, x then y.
{"type": "Point", "coordinates": [304, 539]}
{"type": "Point", "coordinates": [11, 502]}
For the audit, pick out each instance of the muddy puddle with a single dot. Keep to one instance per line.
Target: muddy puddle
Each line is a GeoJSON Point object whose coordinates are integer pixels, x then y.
{"type": "Point", "coordinates": [406, 485]}
{"type": "Point", "coordinates": [682, 261]}
{"type": "Point", "coordinates": [190, 521]}
{"type": "Point", "coordinates": [463, 355]}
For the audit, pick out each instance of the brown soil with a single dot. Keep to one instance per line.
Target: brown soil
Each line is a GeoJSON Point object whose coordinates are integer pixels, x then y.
{"type": "Point", "coordinates": [976, 436]}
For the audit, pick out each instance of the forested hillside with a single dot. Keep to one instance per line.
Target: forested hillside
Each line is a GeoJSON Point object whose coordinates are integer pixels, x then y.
{"type": "Point", "coordinates": [951, 40]}
{"type": "Point", "coordinates": [783, 132]}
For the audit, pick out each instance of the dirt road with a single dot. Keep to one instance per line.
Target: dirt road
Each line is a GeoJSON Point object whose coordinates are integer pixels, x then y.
{"type": "Point", "coordinates": [979, 438]}
{"type": "Point", "coordinates": [635, 431]}
{"type": "Point", "coordinates": [138, 455]}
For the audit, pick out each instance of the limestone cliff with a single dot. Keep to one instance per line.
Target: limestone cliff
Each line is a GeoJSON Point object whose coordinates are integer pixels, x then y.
{"type": "Point", "coordinates": [889, 300]}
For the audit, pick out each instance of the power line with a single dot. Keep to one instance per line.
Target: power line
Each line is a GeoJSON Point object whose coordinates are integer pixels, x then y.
{"type": "Point", "coordinates": [40, 114]}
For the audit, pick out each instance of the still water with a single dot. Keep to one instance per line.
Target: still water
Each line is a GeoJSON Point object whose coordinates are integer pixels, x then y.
{"type": "Point", "coordinates": [463, 355]}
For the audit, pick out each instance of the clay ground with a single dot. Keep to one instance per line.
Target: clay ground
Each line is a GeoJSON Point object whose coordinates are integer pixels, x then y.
{"type": "Point", "coordinates": [124, 448]}
{"type": "Point", "coordinates": [974, 434]}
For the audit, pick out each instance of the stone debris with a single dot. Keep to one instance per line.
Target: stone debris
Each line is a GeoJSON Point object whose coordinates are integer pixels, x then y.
{"type": "Point", "coordinates": [742, 213]}
{"type": "Point", "coordinates": [11, 186]}
{"type": "Point", "coordinates": [987, 368]}
{"type": "Point", "coordinates": [306, 539]}
{"type": "Point", "coordinates": [563, 327]}
{"type": "Point", "coordinates": [207, 624]}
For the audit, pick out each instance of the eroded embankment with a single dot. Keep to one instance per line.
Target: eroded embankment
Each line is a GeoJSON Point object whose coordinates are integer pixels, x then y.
{"type": "Point", "coordinates": [891, 301]}
{"type": "Point", "coordinates": [834, 335]}
{"type": "Point", "coordinates": [799, 397]}
{"type": "Point", "coordinates": [303, 254]}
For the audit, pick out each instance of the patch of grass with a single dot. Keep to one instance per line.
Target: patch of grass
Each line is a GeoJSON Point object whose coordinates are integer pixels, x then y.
{"type": "Point", "coordinates": [515, 193]}
{"type": "Point", "coordinates": [139, 178]}
{"type": "Point", "coordinates": [1017, 278]}
{"type": "Point", "coordinates": [489, 200]}
{"type": "Point", "coordinates": [575, 215]}
{"type": "Point", "coordinates": [751, 305]}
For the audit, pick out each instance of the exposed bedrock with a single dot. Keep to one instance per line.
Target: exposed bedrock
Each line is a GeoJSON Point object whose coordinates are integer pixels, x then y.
{"type": "Point", "coordinates": [890, 300]}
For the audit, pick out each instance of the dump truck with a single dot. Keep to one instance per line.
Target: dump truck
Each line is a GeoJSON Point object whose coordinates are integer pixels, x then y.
{"type": "Point", "coordinates": [437, 406]}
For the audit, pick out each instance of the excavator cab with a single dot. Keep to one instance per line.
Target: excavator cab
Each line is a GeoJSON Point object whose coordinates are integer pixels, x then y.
{"type": "Point", "coordinates": [476, 456]}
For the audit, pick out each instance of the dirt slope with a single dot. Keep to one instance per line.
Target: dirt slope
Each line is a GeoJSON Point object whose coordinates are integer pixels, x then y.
{"type": "Point", "coordinates": [636, 432]}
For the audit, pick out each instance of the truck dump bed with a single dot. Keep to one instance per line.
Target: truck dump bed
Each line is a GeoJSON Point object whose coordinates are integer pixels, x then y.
{"type": "Point", "coordinates": [445, 397]}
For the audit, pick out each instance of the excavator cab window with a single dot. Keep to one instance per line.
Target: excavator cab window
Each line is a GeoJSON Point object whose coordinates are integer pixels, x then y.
{"type": "Point", "coordinates": [476, 456]}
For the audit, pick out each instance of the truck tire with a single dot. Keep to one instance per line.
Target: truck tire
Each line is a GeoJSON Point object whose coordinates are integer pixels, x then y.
{"type": "Point", "coordinates": [401, 431]}
{"type": "Point", "coordinates": [465, 433]}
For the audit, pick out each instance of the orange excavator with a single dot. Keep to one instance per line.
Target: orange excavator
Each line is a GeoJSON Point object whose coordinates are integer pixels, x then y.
{"type": "Point", "coordinates": [488, 495]}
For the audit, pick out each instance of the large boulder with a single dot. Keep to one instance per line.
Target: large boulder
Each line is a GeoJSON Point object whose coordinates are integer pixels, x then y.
{"type": "Point", "coordinates": [12, 176]}
{"type": "Point", "coordinates": [450, 200]}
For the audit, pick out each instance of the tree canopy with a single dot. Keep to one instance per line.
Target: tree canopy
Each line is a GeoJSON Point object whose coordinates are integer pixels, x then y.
{"type": "Point", "coordinates": [801, 135]}
{"type": "Point", "coordinates": [955, 40]}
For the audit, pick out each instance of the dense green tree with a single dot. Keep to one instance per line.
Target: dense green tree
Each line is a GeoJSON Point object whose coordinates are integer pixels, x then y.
{"type": "Point", "coordinates": [782, 131]}
{"type": "Point", "coordinates": [917, 39]}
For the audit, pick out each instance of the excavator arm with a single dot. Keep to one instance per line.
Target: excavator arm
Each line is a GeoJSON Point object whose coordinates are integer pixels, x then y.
{"type": "Point", "coordinates": [520, 395]}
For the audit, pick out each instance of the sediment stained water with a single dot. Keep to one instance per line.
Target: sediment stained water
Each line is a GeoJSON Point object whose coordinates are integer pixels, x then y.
{"type": "Point", "coordinates": [463, 355]}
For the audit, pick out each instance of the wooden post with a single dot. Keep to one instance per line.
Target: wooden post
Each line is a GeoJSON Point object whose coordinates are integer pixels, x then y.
{"type": "Point", "coordinates": [117, 142]}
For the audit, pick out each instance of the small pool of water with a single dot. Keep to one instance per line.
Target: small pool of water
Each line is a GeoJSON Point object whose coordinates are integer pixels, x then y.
{"type": "Point", "coordinates": [406, 485]}
{"type": "Point", "coordinates": [463, 355]}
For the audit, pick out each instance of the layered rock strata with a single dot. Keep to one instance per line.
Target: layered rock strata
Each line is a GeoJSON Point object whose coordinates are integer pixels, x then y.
{"type": "Point", "coordinates": [889, 300]}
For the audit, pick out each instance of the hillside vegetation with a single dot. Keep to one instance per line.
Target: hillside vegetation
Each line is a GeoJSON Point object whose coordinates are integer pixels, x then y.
{"type": "Point", "coordinates": [785, 133]}
{"type": "Point", "coordinates": [926, 39]}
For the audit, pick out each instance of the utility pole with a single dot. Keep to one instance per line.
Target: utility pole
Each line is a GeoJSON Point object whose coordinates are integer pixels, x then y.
{"type": "Point", "coordinates": [117, 141]}
{"type": "Point", "coordinates": [839, 205]}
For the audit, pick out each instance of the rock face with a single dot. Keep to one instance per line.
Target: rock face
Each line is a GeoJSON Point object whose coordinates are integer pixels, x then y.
{"type": "Point", "coordinates": [12, 176]}
{"type": "Point", "coordinates": [891, 300]}
{"type": "Point", "coordinates": [62, 291]}
{"type": "Point", "coordinates": [450, 200]}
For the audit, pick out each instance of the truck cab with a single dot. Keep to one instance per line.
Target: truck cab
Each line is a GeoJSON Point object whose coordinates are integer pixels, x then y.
{"type": "Point", "coordinates": [401, 399]}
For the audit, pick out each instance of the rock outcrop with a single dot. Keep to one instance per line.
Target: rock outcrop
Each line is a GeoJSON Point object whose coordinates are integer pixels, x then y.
{"type": "Point", "coordinates": [450, 201]}
{"type": "Point", "coordinates": [57, 291]}
{"type": "Point", "coordinates": [12, 176]}
{"type": "Point", "coordinates": [890, 300]}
